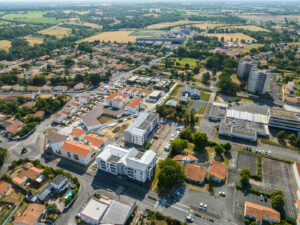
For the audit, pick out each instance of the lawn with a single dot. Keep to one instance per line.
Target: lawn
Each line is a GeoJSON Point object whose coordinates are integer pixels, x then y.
{"type": "Point", "coordinates": [32, 17]}
{"type": "Point", "coordinates": [34, 40]}
{"type": "Point", "coordinates": [232, 36]}
{"type": "Point", "coordinates": [170, 24]}
{"type": "Point", "coordinates": [204, 96]}
{"type": "Point", "coordinates": [81, 23]}
{"type": "Point", "coordinates": [4, 45]}
{"type": "Point", "coordinates": [183, 61]}
{"type": "Point", "coordinates": [113, 36]}
{"type": "Point", "coordinates": [155, 179]}
{"type": "Point", "coordinates": [148, 33]}
{"type": "Point", "coordinates": [57, 31]}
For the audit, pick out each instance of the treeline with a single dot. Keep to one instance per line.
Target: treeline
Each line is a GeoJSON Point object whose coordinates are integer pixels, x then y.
{"type": "Point", "coordinates": [8, 33]}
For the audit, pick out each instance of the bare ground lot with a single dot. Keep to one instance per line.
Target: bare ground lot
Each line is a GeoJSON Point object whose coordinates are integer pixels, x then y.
{"type": "Point", "coordinates": [247, 160]}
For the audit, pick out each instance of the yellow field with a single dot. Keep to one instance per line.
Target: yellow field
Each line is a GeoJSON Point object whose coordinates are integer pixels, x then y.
{"type": "Point", "coordinates": [34, 40]}
{"type": "Point", "coordinates": [232, 37]}
{"type": "Point", "coordinates": [4, 45]}
{"type": "Point", "coordinates": [57, 31]}
{"type": "Point", "coordinates": [204, 26]}
{"type": "Point", "coordinates": [118, 36]}
{"type": "Point", "coordinates": [250, 27]}
{"type": "Point", "coordinates": [169, 24]}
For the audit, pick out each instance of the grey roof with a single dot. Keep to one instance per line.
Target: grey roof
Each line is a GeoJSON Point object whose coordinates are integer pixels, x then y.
{"type": "Point", "coordinates": [184, 99]}
{"type": "Point", "coordinates": [91, 118]}
{"type": "Point", "coordinates": [195, 92]}
{"type": "Point", "coordinates": [56, 138]}
{"type": "Point", "coordinates": [171, 102]}
{"type": "Point", "coordinates": [58, 179]}
{"type": "Point", "coordinates": [117, 213]}
{"type": "Point", "coordinates": [186, 89]}
{"type": "Point", "coordinates": [45, 193]}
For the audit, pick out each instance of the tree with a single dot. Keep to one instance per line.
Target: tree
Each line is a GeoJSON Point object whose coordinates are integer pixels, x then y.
{"type": "Point", "coordinates": [218, 149]}
{"type": "Point", "coordinates": [277, 199]}
{"type": "Point", "coordinates": [206, 77]}
{"type": "Point", "coordinates": [3, 154]}
{"type": "Point", "coordinates": [170, 175]}
{"type": "Point", "coordinates": [69, 62]}
{"type": "Point", "coordinates": [227, 147]}
{"type": "Point", "coordinates": [200, 141]}
{"type": "Point", "coordinates": [178, 145]}
{"type": "Point", "coordinates": [52, 209]}
{"type": "Point", "coordinates": [292, 138]}
{"type": "Point", "coordinates": [244, 180]}
{"type": "Point", "coordinates": [298, 142]}
{"type": "Point", "coordinates": [186, 134]}
{"type": "Point", "coordinates": [229, 100]}
{"type": "Point", "coordinates": [245, 171]}
{"type": "Point", "coordinates": [95, 79]}
{"type": "Point", "coordinates": [280, 135]}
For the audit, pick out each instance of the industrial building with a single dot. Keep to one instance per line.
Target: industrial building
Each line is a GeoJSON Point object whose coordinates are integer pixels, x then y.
{"type": "Point", "coordinates": [284, 120]}
{"type": "Point", "coordinates": [218, 111]}
{"type": "Point", "coordinates": [137, 133]}
{"type": "Point", "coordinates": [258, 81]}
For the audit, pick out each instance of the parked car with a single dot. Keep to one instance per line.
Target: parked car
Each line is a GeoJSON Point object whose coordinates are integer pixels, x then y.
{"type": "Point", "coordinates": [222, 193]}
{"type": "Point", "coordinates": [201, 206]}
{"type": "Point", "coordinates": [189, 218]}
{"type": "Point", "coordinates": [269, 153]}
{"type": "Point", "coordinates": [205, 207]}
{"type": "Point", "coordinates": [261, 197]}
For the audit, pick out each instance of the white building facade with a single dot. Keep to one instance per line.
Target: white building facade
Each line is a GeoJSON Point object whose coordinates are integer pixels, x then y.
{"type": "Point", "coordinates": [258, 81]}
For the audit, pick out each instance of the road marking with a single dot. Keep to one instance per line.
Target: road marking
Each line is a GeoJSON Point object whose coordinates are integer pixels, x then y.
{"type": "Point", "coordinates": [179, 209]}
{"type": "Point", "coordinates": [182, 205]}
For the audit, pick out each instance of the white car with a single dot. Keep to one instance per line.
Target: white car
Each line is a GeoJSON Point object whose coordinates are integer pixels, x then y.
{"type": "Point", "coordinates": [201, 206]}
{"type": "Point", "coordinates": [269, 153]}
{"type": "Point", "coordinates": [205, 207]}
{"type": "Point", "coordinates": [222, 193]}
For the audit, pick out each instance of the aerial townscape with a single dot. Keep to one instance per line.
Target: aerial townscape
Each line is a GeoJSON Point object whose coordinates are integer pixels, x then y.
{"type": "Point", "coordinates": [161, 112]}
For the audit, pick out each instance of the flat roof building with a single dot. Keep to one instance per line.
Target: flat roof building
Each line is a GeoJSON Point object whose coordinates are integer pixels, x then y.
{"type": "Point", "coordinates": [284, 120]}
{"type": "Point", "coordinates": [218, 111]}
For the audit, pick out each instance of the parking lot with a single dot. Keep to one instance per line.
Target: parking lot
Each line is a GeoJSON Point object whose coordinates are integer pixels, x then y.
{"type": "Point", "coordinates": [248, 160]}
{"type": "Point", "coordinates": [279, 175]}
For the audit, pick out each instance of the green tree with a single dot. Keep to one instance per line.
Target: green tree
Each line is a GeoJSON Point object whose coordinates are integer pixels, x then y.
{"type": "Point", "coordinates": [178, 145]}
{"type": "Point", "coordinates": [245, 171]}
{"type": "Point", "coordinates": [218, 149]}
{"type": "Point", "coordinates": [3, 154]}
{"type": "Point", "coordinates": [206, 77]}
{"type": "Point", "coordinates": [52, 209]}
{"type": "Point", "coordinates": [280, 135]}
{"type": "Point", "coordinates": [95, 79]}
{"type": "Point", "coordinates": [200, 141]}
{"type": "Point", "coordinates": [298, 142]}
{"type": "Point", "coordinates": [170, 175]}
{"type": "Point", "coordinates": [229, 100]}
{"type": "Point", "coordinates": [244, 180]}
{"type": "Point", "coordinates": [186, 134]}
{"type": "Point", "coordinates": [277, 199]}
{"type": "Point", "coordinates": [69, 62]}
{"type": "Point", "coordinates": [292, 138]}
{"type": "Point", "coordinates": [227, 147]}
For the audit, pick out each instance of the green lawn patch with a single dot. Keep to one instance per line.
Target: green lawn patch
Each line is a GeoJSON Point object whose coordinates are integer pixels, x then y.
{"type": "Point", "coordinates": [32, 17]}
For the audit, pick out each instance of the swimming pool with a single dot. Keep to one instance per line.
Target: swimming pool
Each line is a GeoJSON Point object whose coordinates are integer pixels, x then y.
{"type": "Point", "coordinates": [68, 194]}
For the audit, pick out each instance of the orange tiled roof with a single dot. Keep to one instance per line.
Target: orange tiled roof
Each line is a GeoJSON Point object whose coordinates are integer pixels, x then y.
{"type": "Point", "coordinates": [16, 127]}
{"type": "Point", "coordinates": [111, 96]}
{"type": "Point", "coordinates": [30, 171]}
{"type": "Point", "coordinates": [76, 148]}
{"type": "Point", "coordinates": [298, 167]}
{"type": "Point", "coordinates": [135, 102]}
{"type": "Point", "coordinates": [218, 170]}
{"type": "Point", "coordinates": [3, 186]}
{"type": "Point", "coordinates": [8, 122]}
{"type": "Point", "coordinates": [259, 211]}
{"type": "Point", "coordinates": [195, 172]}
{"type": "Point", "coordinates": [30, 215]}
{"type": "Point", "coordinates": [94, 139]}
{"type": "Point", "coordinates": [28, 95]}
{"type": "Point", "coordinates": [185, 157]}
{"type": "Point", "coordinates": [77, 132]}
{"type": "Point", "coordinates": [117, 100]}
{"type": "Point", "coordinates": [38, 114]}
{"type": "Point", "coordinates": [18, 180]}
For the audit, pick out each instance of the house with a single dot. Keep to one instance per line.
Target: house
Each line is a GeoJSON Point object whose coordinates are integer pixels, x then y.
{"type": "Point", "coordinates": [40, 114]}
{"type": "Point", "coordinates": [171, 103]}
{"type": "Point", "coordinates": [60, 88]}
{"type": "Point", "coordinates": [15, 128]}
{"type": "Point", "coordinates": [31, 215]}
{"type": "Point", "coordinates": [218, 171]}
{"type": "Point", "coordinates": [2, 117]}
{"type": "Point", "coordinates": [185, 159]}
{"type": "Point", "coordinates": [31, 173]}
{"type": "Point", "coordinates": [186, 91]}
{"type": "Point", "coordinates": [296, 168]}
{"type": "Point", "coordinates": [184, 101]}
{"type": "Point", "coordinates": [4, 187]}
{"type": "Point", "coordinates": [105, 211]}
{"type": "Point", "coordinates": [6, 88]}
{"type": "Point", "coordinates": [95, 141]}
{"type": "Point", "coordinates": [110, 98]}
{"type": "Point", "coordinates": [77, 134]}
{"type": "Point", "coordinates": [33, 88]}
{"type": "Point", "coordinates": [137, 166]}
{"type": "Point", "coordinates": [134, 105]}
{"type": "Point", "coordinates": [261, 213]}
{"type": "Point", "coordinates": [46, 88]}
{"type": "Point", "coordinates": [77, 152]}
{"type": "Point", "coordinates": [194, 173]}
{"type": "Point", "coordinates": [79, 87]}
{"type": "Point", "coordinates": [29, 96]}
{"type": "Point", "coordinates": [59, 117]}
{"type": "Point", "coordinates": [195, 94]}
{"type": "Point", "coordinates": [29, 105]}
{"type": "Point", "coordinates": [7, 123]}
{"type": "Point", "coordinates": [55, 141]}
{"type": "Point", "coordinates": [59, 183]}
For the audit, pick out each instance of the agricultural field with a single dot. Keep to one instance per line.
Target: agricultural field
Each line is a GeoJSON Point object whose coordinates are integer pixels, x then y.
{"type": "Point", "coordinates": [250, 27]}
{"type": "Point", "coordinates": [4, 45]}
{"type": "Point", "coordinates": [206, 26]}
{"type": "Point", "coordinates": [232, 36]}
{"type": "Point", "coordinates": [118, 36]}
{"type": "Point", "coordinates": [170, 24]}
{"type": "Point", "coordinates": [31, 17]}
{"type": "Point", "coordinates": [148, 33]}
{"type": "Point", "coordinates": [76, 21]}
{"type": "Point", "coordinates": [34, 40]}
{"type": "Point", "coordinates": [57, 31]}
{"type": "Point", "coordinates": [78, 12]}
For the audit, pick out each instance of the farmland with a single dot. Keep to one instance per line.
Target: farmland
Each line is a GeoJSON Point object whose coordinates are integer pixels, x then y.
{"type": "Point", "coordinates": [205, 26]}
{"type": "Point", "coordinates": [250, 27]}
{"type": "Point", "coordinates": [118, 36]}
{"type": "Point", "coordinates": [148, 33]}
{"type": "Point", "coordinates": [232, 36]}
{"type": "Point", "coordinates": [31, 17]}
{"type": "Point", "coordinates": [34, 40]}
{"type": "Point", "coordinates": [57, 31]}
{"type": "Point", "coordinates": [4, 45]}
{"type": "Point", "coordinates": [170, 24]}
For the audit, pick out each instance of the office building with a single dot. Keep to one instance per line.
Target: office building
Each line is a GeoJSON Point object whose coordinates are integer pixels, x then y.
{"type": "Point", "coordinates": [258, 81]}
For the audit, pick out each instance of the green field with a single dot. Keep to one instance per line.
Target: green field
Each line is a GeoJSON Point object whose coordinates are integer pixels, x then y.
{"type": "Point", "coordinates": [32, 17]}
{"type": "Point", "coordinates": [183, 61]}
{"type": "Point", "coordinates": [148, 33]}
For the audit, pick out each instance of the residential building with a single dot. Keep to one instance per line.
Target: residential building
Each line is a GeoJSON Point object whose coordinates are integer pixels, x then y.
{"type": "Point", "coordinates": [29, 173]}
{"type": "Point", "coordinates": [138, 132]}
{"type": "Point", "coordinates": [258, 81]}
{"type": "Point", "coordinates": [195, 94]}
{"type": "Point", "coordinates": [59, 183]}
{"type": "Point", "coordinates": [261, 213]}
{"type": "Point", "coordinates": [195, 173]}
{"type": "Point", "coordinates": [77, 134]}
{"type": "Point", "coordinates": [185, 159]}
{"type": "Point", "coordinates": [55, 141]}
{"type": "Point", "coordinates": [137, 166]}
{"type": "Point", "coordinates": [4, 187]}
{"type": "Point", "coordinates": [296, 168]}
{"type": "Point", "coordinates": [39, 114]}
{"type": "Point", "coordinates": [134, 105]}
{"type": "Point", "coordinates": [105, 211]}
{"type": "Point", "coordinates": [31, 215]}
{"type": "Point", "coordinates": [218, 171]}
{"type": "Point", "coordinates": [95, 141]}
{"type": "Point", "coordinates": [59, 117]}
{"type": "Point", "coordinates": [186, 91]}
{"type": "Point", "coordinates": [15, 128]}
{"type": "Point", "coordinates": [77, 152]}
{"type": "Point", "coordinates": [154, 96]}
{"type": "Point", "coordinates": [243, 69]}
{"type": "Point", "coordinates": [184, 101]}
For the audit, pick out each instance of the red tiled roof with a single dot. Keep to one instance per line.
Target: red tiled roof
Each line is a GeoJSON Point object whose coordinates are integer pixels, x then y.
{"type": "Point", "coordinates": [38, 114]}
{"type": "Point", "coordinates": [218, 170]}
{"type": "Point", "coordinates": [77, 132]}
{"type": "Point", "coordinates": [76, 148]}
{"type": "Point", "coordinates": [30, 215]}
{"type": "Point", "coordinates": [16, 127]}
{"type": "Point", "coordinates": [117, 100]}
{"type": "Point", "coordinates": [135, 102]}
{"type": "Point", "coordinates": [94, 140]}
{"type": "Point", "coordinates": [3, 186]}
{"type": "Point", "coordinates": [260, 212]}
{"type": "Point", "coordinates": [195, 172]}
{"type": "Point", "coordinates": [111, 96]}
{"type": "Point", "coordinates": [30, 171]}
{"type": "Point", "coordinates": [8, 122]}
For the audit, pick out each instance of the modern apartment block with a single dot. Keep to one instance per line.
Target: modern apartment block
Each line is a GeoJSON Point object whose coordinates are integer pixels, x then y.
{"type": "Point", "coordinates": [243, 69]}
{"type": "Point", "coordinates": [258, 81]}
{"type": "Point", "coordinates": [138, 132]}
{"type": "Point", "coordinates": [136, 165]}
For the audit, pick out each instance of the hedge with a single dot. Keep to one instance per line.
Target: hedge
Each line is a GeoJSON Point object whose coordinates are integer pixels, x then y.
{"type": "Point", "coordinates": [251, 190]}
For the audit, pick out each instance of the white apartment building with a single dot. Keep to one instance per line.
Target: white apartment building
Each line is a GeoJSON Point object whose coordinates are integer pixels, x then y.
{"type": "Point", "coordinates": [243, 69]}
{"type": "Point", "coordinates": [138, 132]}
{"type": "Point", "coordinates": [132, 163]}
{"type": "Point", "coordinates": [258, 81]}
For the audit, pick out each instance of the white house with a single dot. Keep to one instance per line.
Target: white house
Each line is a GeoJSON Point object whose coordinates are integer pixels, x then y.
{"type": "Point", "coordinates": [55, 141]}
{"type": "Point", "coordinates": [77, 152]}
{"type": "Point", "coordinates": [59, 117]}
{"type": "Point", "coordinates": [138, 166]}
{"type": "Point", "coordinates": [134, 105]}
{"type": "Point", "coordinates": [60, 183]}
{"type": "Point", "coordinates": [77, 134]}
